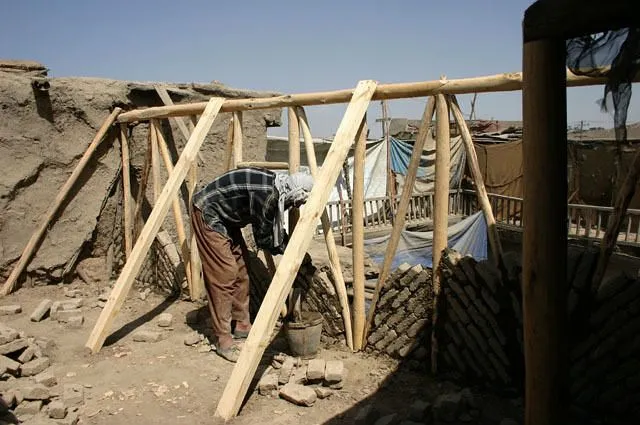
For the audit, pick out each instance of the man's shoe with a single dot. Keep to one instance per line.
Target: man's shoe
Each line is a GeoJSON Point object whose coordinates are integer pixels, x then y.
{"type": "Point", "coordinates": [240, 334]}
{"type": "Point", "coordinates": [230, 353]}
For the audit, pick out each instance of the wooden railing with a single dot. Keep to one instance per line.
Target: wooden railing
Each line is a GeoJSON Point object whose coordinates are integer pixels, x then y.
{"type": "Point", "coordinates": [583, 222]}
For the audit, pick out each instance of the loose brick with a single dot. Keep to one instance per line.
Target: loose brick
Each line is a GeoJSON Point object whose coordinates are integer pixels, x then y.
{"type": "Point", "coordinates": [192, 338]}
{"type": "Point", "coordinates": [7, 334]}
{"type": "Point", "coordinates": [9, 365]}
{"type": "Point", "coordinates": [298, 394]}
{"type": "Point", "coordinates": [268, 383]}
{"type": "Point", "coordinates": [9, 398]}
{"type": "Point", "coordinates": [36, 392]}
{"type": "Point", "coordinates": [64, 316]}
{"type": "Point", "coordinates": [75, 322]}
{"type": "Point", "coordinates": [286, 370]}
{"type": "Point", "coordinates": [165, 320]}
{"type": "Point", "coordinates": [10, 310]}
{"type": "Point", "coordinates": [47, 379]}
{"type": "Point", "coordinates": [73, 395]}
{"type": "Point", "coordinates": [13, 346]}
{"type": "Point", "coordinates": [72, 418]}
{"type": "Point", "coordinates": [147, 336]}
{"type": "Point", "coordinates": [299, 376]}
{"type": "Point", "coordinates": [72, 293]}
{"type": "Point", "coordinates": [28, 354]}
{"type": "Point", "coordinates": [34, 367]}
{"type": "Point", "coordinates": [315, 370]}
{"type": "Point", "coordinates": [57, 410]}
{"type": "Point", "coordinates": [28, 408]}
{"type": "Point", "coordinates": [323, 393]}
{"type": "Point", "coordinates": [41, 310]}
{"type": "Point", "coordinates": [334, 371]}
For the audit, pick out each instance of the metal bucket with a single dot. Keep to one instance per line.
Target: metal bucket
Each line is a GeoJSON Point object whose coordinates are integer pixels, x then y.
{"type": "Point", "coordinates": [304, 336]}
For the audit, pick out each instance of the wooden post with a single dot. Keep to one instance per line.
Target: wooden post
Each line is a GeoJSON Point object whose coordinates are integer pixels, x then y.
{"type": "Point", "coordinates": [155, 163]}
{"type": "Point", "coordinates": [391, 190]}
{"type": "Point", "coordinates": [481, 191]}
{"type": "Point", "coordinates": [177, 211]}
{"type": "Point", "coordinates": [544, 265]}
{"type": "Point", "coordinates": [263, 164]}
{"type": "Point", "coordinates": [142, 188]}
{"type": "Point", "coordinates": [440, 212]}
{"type": "Point", "coordinates": [197, 284]}
{"type": "Point", "coordinates": [228, 150]}
{"type": "Point", "coordinates": [159, 212]}
{"type": "Point", "coordinates": [237, 138]}
{"type": "Point", "coordinates": [398, 225]}
{"type": "Point", "coordinates": [259, 335]}
{"type": "Point", "coordinates": [332, 250]}
{"type": "Point", "coordinates": [126, 189]}
{"type": "Point", "coordinates": [36, 237]}
{"type": "Point", "coordinates": [294, 160]}
{"type": "Point", "coordinates": [357, 233]}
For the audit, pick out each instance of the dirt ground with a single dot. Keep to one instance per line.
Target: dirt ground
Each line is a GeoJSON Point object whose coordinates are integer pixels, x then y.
{"type": "Point", "coordinates": [167, 381]}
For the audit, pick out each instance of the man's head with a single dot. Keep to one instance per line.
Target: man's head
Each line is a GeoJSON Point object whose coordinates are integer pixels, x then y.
{"type": "Point", "coordinates": [297, 189]}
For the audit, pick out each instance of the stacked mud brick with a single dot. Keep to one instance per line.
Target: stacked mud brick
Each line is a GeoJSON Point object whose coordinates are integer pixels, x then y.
{"type": "Point", "coordinates": [402, 323]}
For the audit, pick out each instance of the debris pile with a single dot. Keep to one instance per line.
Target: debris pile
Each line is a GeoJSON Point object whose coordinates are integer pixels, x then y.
{"type": "Point", "coordinates": [27, 388]}
{"type": "Point", "coordinates": [301, 382]}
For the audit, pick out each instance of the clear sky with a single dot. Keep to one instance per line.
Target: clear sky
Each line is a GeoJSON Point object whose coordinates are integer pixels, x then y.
{"type": "Point", "coordinates": [287, 46]}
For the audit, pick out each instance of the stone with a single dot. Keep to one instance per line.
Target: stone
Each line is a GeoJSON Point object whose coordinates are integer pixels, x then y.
{"type": "Point", "coordinates": [9, 365]}
{"type": "Point", "coordinates": [13, 346]}
{"type": "Point", "coordinates": [286, 370]}
{"type": "Point", "coordinates": [47, 347]}
{"type": "Point", "coordinates": [28, 408]}
{"type": "Point", "coordinates": [334, 371]}
{"type": "Point", "coordinates": [192, 338]}
{"type": "Point", "coordinates": [36, 392]}
{"type": "Point", "coordinates": [47, 379]}
{"type": "Point", "coordinates": [28, 354]}
{"type": "Point", "coordinates": [64, 316]}
{"type": "Point", "coordinates": [366, 415]}
{"type": "Point", "coordinates": [73, 395]}
{"type": "Point", "coordinates": [75, 322]}
{"type": "Point", "coordinates": [386, 420]}
{"type": "Point", "coordinates": [41, 310]}
{"type": "Point", "coordinates": [36, 366]}
{"type": "Point", "coordinates": [337, 385]}
{"type": "Point", "coordinates": [419, 410]}
{"type": "Point", "coordinates": [298, 394]}
{"type": "Point", "coordinates": [165, 320]}
{"type": "Point", "coordinates": [9, 398]}
{"type": "Point", "coordinates": [7, 334]}
{"type": "Point", "coordinates": [268, 383]}
{"type": "Point", "coordinates": [10, 310]}
{"type": "Point", "coordinates": [147, 336]}
{"type": "Point", "coordinates": [57, 410]}
{"type": "Point", "coordinates": [72, 418]}
{"type": "Point", "coordinates": [447, 407]}
{"type": "Point", "coordinates": [72, 293]}
{"type": "Point", "coordinates": [323, 393]}
{"type": "Point", "coordinates": [315, 370]}
{"type": "Point", "coordinates": [299, 376]}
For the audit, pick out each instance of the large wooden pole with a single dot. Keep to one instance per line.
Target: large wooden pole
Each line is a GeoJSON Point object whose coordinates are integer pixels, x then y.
{"type": "Point", "coordinates": [155, 163]}
{"type": "Point", "coordinates": [398, 225]}
{"type": "Point", "coordinates": [544, 264]}
{"type": "Point", "coordinates": [481, 190]}
{"type": "Point", "coordinates": [126, 189]}
{"type": "Point", "coordinates": [440, 212]}
{"type": "Point", "coordinates": [36, 237]}
{"type": "Point", "coordinates": [357, 214]}
{"type": "Point", "coordinates": [150, 230]}
{"type": "Point", "coordinates": [492, 83]}
{"type": "Point", "coordinates": [332, 250]}
{"type": "Point", "coordinates": [237, 138]}
{"type": "Point", "coordinates": [294, 159]}
{"type": "Point", "coordinates": [260, 333]}
{"type": "Point", "coordinates": [228, 150]}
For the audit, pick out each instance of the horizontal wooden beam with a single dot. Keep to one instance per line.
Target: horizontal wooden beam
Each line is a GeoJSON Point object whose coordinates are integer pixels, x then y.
{"type": "Point", "coordinates": [267, 165]}
{"type": "Point", "coordinates": [491, 83]}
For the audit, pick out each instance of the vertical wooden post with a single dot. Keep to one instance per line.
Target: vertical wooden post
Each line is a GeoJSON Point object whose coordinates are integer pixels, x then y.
{"type": "Point", "coordinates": [332, 251]}
{"type": "Point", "coordinates": [441, 211]}
{"type": "Point", "coordinates": [259, 337]}
{"type": "Point", "coordinates": [358, 236]}
{"type": "Point", "coordinates": [197, 285]}
{"type": "Point", "coordinates": [126, 189]}
{"type": "Point", "coordinates": [237, 138]}
{"type": "Point", "coordinates": [391, 189]}
{"type": "Point", "coordinates": [155, 164]}
{"type": "Point", "coordinates": [398, 225]}
{"type": "Point", "coordinates": [294, 159]}
{"type": "Point", "coordinates": [481, 191]}
{"type": "Point", "coordinates": [545, 232]}
{"type": "Point", "coordinates": [228, 151]}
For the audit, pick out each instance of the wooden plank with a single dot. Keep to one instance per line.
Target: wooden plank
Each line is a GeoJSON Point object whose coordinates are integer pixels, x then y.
{"type": "Point", "coordinates": [175, 203]}
{"type": "Point", "coordinates": [228, 149]}
{"type": "Point", "coordinates": [294, 158]}
{"type": "Point", "coordinates": [481, 190]}
{"type": "Point", "coordinates": [440, 213]}
{"type": "Point", "coordinates": [511, 81]}
{"type": "Point", "coordinates": [259, 336]}
{"type": "Point", "coordinates": [401, 210]}
{"type": "Point", "coordinates": [155, 164]}
{"type": "Point", "coordinates": [126, 189]}
{"type": "Point", "coordinates": [358, 236]}
{"type": "Point", "coordinates": [197, 279]}
{"type": "Point", "coordinates": [36, 237]}
{"type": "Point", "coordinates": [237, 138]}
{"type": "Point", "coordinates": [332, 250]}
{"type": "Point", "coordinates": [544, 256]}
{"type": "Point", "coordinates": [263, 164]}
{"type": "Point", "coordinates": [159, 212]}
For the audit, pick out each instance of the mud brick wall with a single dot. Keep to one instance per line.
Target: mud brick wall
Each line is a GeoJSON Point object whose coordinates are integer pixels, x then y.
{"type": "Point", "coordinates": [402, 323]}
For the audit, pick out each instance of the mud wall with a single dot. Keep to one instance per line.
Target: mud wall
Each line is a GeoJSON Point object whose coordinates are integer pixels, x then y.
{"type": "Point", "coordinates": [43, 133]}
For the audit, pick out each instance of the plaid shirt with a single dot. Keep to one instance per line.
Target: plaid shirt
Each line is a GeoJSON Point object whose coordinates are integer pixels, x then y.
{"type": "Point", "coordinates": [240, 197]}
